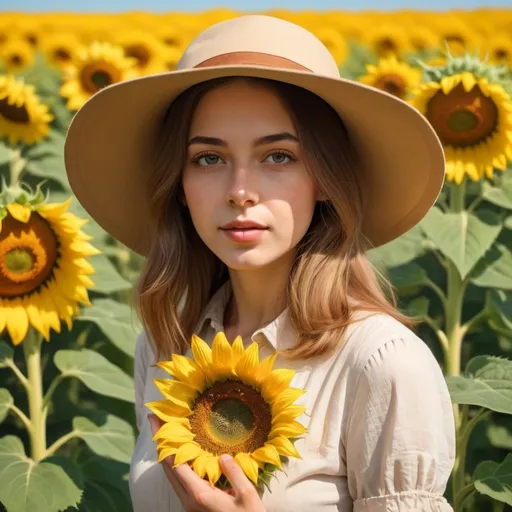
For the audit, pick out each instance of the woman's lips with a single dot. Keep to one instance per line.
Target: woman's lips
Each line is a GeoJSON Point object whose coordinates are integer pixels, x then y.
{"type": "Point", "coordinates": [244, 235]}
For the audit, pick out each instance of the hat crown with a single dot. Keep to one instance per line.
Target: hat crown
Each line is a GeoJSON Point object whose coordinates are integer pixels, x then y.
{"type": "Point", "coordinates": [261, 34]}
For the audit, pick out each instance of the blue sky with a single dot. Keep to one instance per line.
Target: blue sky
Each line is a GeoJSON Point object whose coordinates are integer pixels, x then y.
{"type": "Point", "coordinates": [241, 5]}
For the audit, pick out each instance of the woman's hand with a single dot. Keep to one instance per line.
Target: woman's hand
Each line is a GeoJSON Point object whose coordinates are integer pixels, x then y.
{"type": "Point", "coordinates": [197, 495]}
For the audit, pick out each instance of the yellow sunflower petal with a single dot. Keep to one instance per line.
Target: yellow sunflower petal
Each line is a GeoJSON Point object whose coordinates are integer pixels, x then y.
{"type": "Point", "coordinates": [287, 429]}
{"type": "Point", "coordinates": [213, 469]}
{"type": "Point", "coordinates": [19, 212]}
{"type": "Point", "coordinates": [186, 452]}
{"type": "Point", "coordinates": [249, 466]}
{"type": "Point", "coordinates": [174, 432]}
{"type": "Point", "coordinates": [185, 370]}
{"type": "Point", "coordinates": [284, 447]}
{"type": "Point", "coordinates": [222, 355]}
{"type": "Point", "coordinates": [268, 453]}
{"type": "Point", "coordinates": [166, 451]}
{"type": "Point", "coordinates": [276, 383]}
{"type": "Point", "coordinates": [169, 411]}
{"type": "Point", "coordinates": [202, 354]}
{"type": "Point", "coordinates": [199, 465]}
{"type": "Point", "coordinates": [179, 392]}
{"type": "Point", "coordinates": [238, 350]}
{"type": "Point", "coordinates": [286, 398]}
{"type": "Point", "coordinates": [265, 368]}
{"type": "Point", "coordinates": [246, 367]}
{"type": "Point", "coordinates": [3, 317]}
{"type": "Point", "coordinates": [289, 413]}
{"type": "Point", "coordinates": [17, 322]}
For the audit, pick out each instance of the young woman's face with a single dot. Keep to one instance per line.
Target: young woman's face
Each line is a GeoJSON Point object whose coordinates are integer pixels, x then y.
{"type": "Point", "coordinates": [245, 164]}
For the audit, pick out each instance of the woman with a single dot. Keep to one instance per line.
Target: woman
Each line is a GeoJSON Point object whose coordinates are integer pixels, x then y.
{"type": "Point", "coordinates": [255, 180]}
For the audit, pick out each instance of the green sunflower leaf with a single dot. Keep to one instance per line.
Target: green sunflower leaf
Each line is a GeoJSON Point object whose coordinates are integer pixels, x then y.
{"type": "Point", "coordinates": [6, 400]}
{"type": "Point", "coordinates": [6, 354]}
{"type": "Point", "coordinates": [46, 159]}
{"type": "Point", "coordinates": [495, 269]}
{"type": "Point", "coordinates": [500, 195]}
{"type": "Point", "coordinates": [106, 277]}
{"type": "Point", "coordinates": [105, 485]}
{"type": "Point", "coordinates": [494, 479]}
{"type": "Point", "coordinates": [96, 372]}
{"type": "Point", "coordinates": [113, 439]}
{"type": "Point", "coordinates": [462, 237]}
{"type": "Point", "coordinates": [28, 486]}
{"type": "Point", "coordinates": [487, 383]}
{"type": "Point", "coordinates": [116, 320]}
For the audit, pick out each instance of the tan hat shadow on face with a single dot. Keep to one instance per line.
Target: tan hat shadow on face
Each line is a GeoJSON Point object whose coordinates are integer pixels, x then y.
{"type": "Point", "coordinates": [109, 143]}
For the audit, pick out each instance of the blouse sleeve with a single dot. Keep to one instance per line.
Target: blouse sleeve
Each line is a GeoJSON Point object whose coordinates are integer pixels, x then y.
{"type": "Point", "coordinates": [139, 375]}
{"type": "Point", "coordinates": [400, 444]}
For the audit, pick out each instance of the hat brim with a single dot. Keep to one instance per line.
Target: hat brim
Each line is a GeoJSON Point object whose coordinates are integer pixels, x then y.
{"type": "Point", "coordinates": [109, 145]}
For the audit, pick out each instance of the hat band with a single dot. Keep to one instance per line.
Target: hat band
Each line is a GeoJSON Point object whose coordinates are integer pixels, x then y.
{"type": "Point", "coordinates": [252, 59]}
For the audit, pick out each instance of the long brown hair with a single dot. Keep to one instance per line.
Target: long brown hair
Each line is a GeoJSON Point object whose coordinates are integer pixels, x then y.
{"type": "Point", "coordinates": [331, 277]}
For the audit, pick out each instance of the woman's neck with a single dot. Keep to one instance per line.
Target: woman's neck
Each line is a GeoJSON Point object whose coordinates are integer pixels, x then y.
{"type": "Point", "coordinates": [259, 296]}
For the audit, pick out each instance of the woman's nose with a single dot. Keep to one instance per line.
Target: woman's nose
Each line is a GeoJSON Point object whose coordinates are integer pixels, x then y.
{"type": "Point", "coordinates": [242, 188]}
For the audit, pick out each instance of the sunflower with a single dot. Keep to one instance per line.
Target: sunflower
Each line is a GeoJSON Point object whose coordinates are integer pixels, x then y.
{"type": "Point", "coordinates": [499, 47]}
{"type": "Point", "coordinates": [147, 50]}
{"type": "Point", "coordinates": [96, 66]}
{"type": "Point", "coordinates": [392, 76]}
{"type": "Point", "coordinates": [171, 57]}
{"type": "Point", "coordinates": [44, 273]}
{"type": "Point", "coordinates": [59, 49]}
{"type": "Point", "coordinates": [473, 118]}
{"type": "Point", "coordinates": [334, 42]}
{"type": "Point", "coordinates": [458, 35]}
{"type": "Point", "coordinates": [226, 401]}
{"type": "Point", "coordinates": [387, 40]}
{"type": "Point", "coordinates": [22, 115]}
{"type": "Point", "coordinates": [17, 54]}
{"type": "Point", "coordinates": [423, 39]}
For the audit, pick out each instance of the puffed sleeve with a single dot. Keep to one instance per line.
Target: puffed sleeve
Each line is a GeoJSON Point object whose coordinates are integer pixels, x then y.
{"type": "Point", "coordinates": [401, 437]}
{"type": "Point", "coordinates": [140, 366]}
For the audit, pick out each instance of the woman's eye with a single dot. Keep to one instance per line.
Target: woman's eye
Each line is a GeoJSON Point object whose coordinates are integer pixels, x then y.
{"type": "Point", "coordinates": [280, 158]}
{"type": "Point", "coordinates": [207, 160]}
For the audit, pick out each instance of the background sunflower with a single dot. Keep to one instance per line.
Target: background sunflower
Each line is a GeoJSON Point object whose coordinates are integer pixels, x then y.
{"type": "Point", "coordinates": [22, 115]}
{"type": "Point", "coordinates": [43, 266]}
{"type": "Point", "coordinates": [95, 67]}
{"type": "Point", "coordinates": [473, 118]}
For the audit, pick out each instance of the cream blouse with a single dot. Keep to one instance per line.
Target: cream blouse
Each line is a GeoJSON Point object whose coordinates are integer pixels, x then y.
{"type": "Point", "coordinates": [381, 432]}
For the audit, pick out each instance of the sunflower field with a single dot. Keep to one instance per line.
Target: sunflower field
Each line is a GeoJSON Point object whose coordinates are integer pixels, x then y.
{"type": "Point", "coordinates": [67, 328]}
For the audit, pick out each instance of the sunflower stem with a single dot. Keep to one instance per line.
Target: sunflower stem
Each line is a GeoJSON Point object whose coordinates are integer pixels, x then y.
{"type": "Point", "coordinates": [32, 350]}
{"type": "Point", "coordinates": [60, 442]}
{"type": "Point", "coordinates": [12, 365]}
{"type": "Point", "coordinates": [455, 332]}
{"type": "Point", "coordinates": [21, 416]}
{"type": "Point", "coordinates": [17, 164]}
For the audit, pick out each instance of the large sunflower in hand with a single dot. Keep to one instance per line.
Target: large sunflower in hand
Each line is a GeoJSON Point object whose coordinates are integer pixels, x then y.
{"type": "Point", "coordinates": [227, 401]}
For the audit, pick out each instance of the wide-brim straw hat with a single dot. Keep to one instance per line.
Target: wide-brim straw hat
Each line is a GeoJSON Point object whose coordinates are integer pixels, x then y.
{"type": "Point", "coordinates": [110, 143]}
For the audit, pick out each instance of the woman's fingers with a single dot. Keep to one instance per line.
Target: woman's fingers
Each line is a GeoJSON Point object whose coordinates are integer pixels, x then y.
{"type": "Point", "coordinates": [236, 476]}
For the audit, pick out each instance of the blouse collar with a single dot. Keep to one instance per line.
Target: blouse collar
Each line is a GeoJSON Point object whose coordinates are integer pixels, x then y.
{"type": "Point", "coordinates": [280, 332]}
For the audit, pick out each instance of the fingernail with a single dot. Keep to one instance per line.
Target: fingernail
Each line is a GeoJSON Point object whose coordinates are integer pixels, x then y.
{"type": "Point", "coordinates": [225, 458]}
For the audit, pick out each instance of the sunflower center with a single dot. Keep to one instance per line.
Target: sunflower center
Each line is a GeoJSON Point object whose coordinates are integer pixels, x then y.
{"type": "Point", "coordinates": [138, 52]}
{"type": "Point", "coordinates": [13, 113]}
{"type": "Point", "coordinates": [461, 118]}
{"type": "Point", "coordinates": [462, 121]}
{"type": "Point", "coordinates": [62, 55]}
{"type": "Point", "coordinates": [28, 255]}
{"type": "Point", "coordinates": [393, 84]}
{"type": "Point", "coordinates": [231, 417]}
{"type": "Point", "coordinates": [386, 45]}
{"type": "Point", "coordinates": [97, 75]}
{"type": "Point", "coordinates": [501, 53]}
{"type": "Point", "coordinates": [16, 60]}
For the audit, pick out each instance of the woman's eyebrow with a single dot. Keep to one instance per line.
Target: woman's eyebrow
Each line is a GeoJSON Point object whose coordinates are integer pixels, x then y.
{"type": "Point", "coordinates": [266, 139]}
